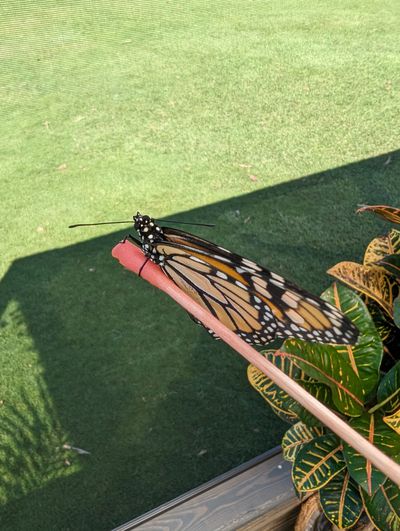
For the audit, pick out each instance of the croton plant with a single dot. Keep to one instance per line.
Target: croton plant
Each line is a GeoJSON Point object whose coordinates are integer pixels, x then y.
{"type": "Point", "coordinates": [361, 383]}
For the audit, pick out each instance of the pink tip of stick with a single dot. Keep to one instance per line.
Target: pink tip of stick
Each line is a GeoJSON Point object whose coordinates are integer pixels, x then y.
{"type": "Point", "coordinates": [132, 258]}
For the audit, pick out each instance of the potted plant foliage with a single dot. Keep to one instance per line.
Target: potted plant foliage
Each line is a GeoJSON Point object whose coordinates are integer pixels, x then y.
{"type": "Point", "coordinates": [360, 383]}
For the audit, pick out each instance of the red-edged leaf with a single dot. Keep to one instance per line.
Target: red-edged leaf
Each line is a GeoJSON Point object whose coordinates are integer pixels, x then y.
{"type": "Point", "coordinates": [386, 212]}
{"type": "Point", "coordinates": [322, 363]}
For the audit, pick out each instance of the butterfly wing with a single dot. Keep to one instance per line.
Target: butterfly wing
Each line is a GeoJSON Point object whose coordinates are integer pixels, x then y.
{"type": "Point", "coordinates": [255, 303]}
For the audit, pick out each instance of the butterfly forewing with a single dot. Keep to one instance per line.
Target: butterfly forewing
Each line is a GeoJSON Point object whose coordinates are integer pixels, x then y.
{"type": "Point", "coordinates": [219, 291]}
{"type": "Point", "coordinates": [255, 303]}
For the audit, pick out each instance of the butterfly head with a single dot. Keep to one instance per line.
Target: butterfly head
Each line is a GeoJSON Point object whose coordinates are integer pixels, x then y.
{"type": "Point", "coordinates": [147, 228]}
{"type": "Point", "coordinates": [149, 233]}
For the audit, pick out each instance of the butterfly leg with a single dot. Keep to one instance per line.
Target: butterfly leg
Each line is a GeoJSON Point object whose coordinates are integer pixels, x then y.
{"type": "Point", "coordinates": [211, 332]}
{"type": "Point", "coordinates": [131, 238]}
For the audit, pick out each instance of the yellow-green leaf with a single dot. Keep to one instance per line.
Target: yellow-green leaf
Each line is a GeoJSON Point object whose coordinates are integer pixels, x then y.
{"type": "Point", "coordinates": [382, 246]}
{"type": "Point", "coordinates": [394, 239]}
{"type": "Point", "coordinates": [393, 421]}
{"type": "Point", "coordinates": [377, 249]}
{"type": "Point", "coordinates": [386, 212]}
{"type": "Point", "coordinates": [371, 281]}
{"type": "Point", "coordinates": [341, 501]}
{"type": "Point", "coordinates": [317, 462]}
{"type": "Point", "coordinates": [295, 438]}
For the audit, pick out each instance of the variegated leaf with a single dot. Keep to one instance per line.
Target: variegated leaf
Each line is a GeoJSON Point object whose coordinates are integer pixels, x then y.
{"type": "Point", "coordinates": [382, 246]}
{"type": "Point", "coordinates": [365, 357]}
{"type": "Point", "coordinates": [388, 394]}
{"type": "Point", "coordinates": [296, 436]}
{"type": "Point", "coordinates": [341, 501]}
{"type": "Point", "coordinates": [322, 363]}
{"type": "Point", "coordinates": [393, 421]}
{"type": "Point", "coordinates": [394, 238]}
{"type": "Point", "coordinates": [383, 508]}
{"type": "Point", "coordinates": [372, 428]}
{"type": "Point", "coordinates": [351, 372]}
{"type": "Point", "coordinates": [283, 405]}
{"type": "Point", "coordinates": [386, 212]}
{"type": "Point", "coordinates": [371, 281]}
{"type": "Point", "coordinates": [317, 462]}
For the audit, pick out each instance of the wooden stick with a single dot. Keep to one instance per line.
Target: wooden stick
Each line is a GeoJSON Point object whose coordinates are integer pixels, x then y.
{"type": "Point", "coordinates": [133, 259]}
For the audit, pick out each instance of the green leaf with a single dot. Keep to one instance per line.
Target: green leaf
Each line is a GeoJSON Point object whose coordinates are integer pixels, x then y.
{"type": "Point", "coordinates": [341, 501]}
{"type": "Point", "coordinates": [388, 394]}
{"type": "Point", "coordinates": [318, 390]}
{"type": "Point", "coordinates": [295, 438]}
{"type": "Point", "coordinates": [317, 462]}
{"type": "Point", "coordinates": [391, 263]}
{"type": "Point", "coordinates": [383, 323]}
{"type": "Point", "coordinates": [383, 508]}
{"type": "Point", "coordinates": [396, 311]}
{"type": "Point", "coordinates": [283, 405]}
{"type": "Point", "coordinates": [366, 356]}
{"type": "Point", "coordinates": [393, 493]}
{"type": "Point", "coordinates": [374, 429]}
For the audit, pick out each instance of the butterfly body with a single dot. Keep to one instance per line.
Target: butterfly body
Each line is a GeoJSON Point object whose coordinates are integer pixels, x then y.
{"type": "Point", "coordinates": [257, 304]}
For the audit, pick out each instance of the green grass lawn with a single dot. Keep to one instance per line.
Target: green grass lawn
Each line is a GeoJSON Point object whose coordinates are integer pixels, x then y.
{"type": "Point", "coordinates": [273, 120]}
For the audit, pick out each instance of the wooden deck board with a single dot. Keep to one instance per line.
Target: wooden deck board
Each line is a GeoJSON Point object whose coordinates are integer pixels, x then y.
{"type": "Point", "coordinates": [256, 496]}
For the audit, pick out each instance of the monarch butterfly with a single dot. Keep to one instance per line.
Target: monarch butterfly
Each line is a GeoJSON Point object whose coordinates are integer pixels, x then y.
{"type": "Point", "coordinates": [256, 304]}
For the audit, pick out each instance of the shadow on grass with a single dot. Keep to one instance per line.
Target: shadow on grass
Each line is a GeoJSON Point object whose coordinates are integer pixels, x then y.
{"type": "Point", "coordinates": [31, 448]}
{"type": "Point", "coordinates": [159, 404]}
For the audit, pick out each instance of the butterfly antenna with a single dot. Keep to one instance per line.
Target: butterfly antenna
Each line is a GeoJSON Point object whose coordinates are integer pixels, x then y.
{"type": "Point", "coordinates": [187, 223]}
{"type": "Point", "coordinates": [101, 223]}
